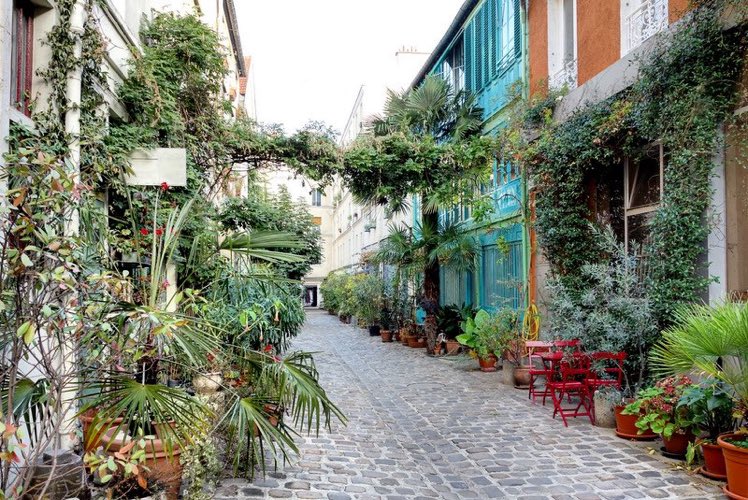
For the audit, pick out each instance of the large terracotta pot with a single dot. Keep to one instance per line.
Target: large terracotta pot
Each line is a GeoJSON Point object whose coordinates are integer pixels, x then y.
{"type": "Point", "coordinates": [626, 426]}
{"type": "Point", "coordinates": [453, 347]}
{"type": "Point", "coordinates": [488, 363]}
{"type": "Point", "coordinates": [416, 343]}
{"type": "Point", "coordinates": [736, 464]}
{"type": "Point", "coordinates": [91, 439]}
{"type": "Point", "coordinates": [386, 335]}
{"type": "Point", "coordinates": [714, 461]}
{"type": "Point", "coordinates": [522, 377]}
{"type": "Point", "coordinates": [677, 444]}
{"type": "Point", "coordinates": [163, 467]}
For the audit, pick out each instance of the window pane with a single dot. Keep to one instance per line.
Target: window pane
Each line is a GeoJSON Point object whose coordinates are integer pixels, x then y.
{"type": "Point", "coordinates": [644, 179]}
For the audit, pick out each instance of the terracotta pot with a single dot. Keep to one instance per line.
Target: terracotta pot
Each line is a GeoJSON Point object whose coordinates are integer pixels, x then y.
{"type": "Point", "coordinates": [736, 464]}
{"type": "Point", "coordinates": [522, 377]}
{"type": "Point", "coordinates": [453, 347]}
{"type": "Point", "coordinates": [416, 343]}
{"type": "Point", "coordinates": [386, 335]}
{"type": "Point", "coordinates": [626, 426]}
{"type": "Point", "coordinates": [404, 336]}
{"type": "Point", "coordinates": [714, 461]}
{"type": "Point", "coordinates": [677, 444]}
{"type": "Point", "coordinates": [488, 364]}
{"type": "Point", "coordinates": [163, 467]}
{"type": "Point", "coordinates": [92, 440]}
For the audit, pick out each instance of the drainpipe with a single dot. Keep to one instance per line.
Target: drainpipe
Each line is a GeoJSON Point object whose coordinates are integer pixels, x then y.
{"type": "Point", "coordinates": [6, 21]}
{"type": "Point", "coordinates": [67, 358]}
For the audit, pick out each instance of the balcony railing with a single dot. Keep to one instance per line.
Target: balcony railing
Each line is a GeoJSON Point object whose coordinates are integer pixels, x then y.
{"type": "Point", "coordinates": [565, 77]}
{"type": "Point", "coordinates": [650, 18]}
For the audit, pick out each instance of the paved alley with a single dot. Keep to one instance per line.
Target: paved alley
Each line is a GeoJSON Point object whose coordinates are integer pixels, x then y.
{"type": "Point", "coordinates": [421, 427]}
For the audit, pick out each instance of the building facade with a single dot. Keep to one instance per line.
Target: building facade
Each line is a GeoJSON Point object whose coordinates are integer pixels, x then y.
{"type": "Point", "coordinates": [594, 51]}
{"type": "Point", "coordinates": [484, 52]}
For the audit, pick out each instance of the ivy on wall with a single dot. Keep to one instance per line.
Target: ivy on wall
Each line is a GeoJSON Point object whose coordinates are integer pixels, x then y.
{"type": "Point", "coordinates": [686, 91]}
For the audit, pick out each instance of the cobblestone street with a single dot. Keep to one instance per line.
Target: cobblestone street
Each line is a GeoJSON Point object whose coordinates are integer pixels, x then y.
{"type": "Point", "coordinates": [421, 427]}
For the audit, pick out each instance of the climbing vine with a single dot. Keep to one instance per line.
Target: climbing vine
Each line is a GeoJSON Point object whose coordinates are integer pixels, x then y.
{"type": "Point", "coordinates": [686, 91]}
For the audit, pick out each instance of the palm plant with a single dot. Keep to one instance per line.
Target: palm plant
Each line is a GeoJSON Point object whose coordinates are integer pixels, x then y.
{"type": "Point", "coordinates": [712, 340]}
{"type": "Point", "coordinates": [427, 247]}
{"type": "Point", "coordinates": [431, 112]}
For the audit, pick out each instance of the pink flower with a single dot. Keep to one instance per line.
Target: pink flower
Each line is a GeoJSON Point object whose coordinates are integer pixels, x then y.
{"type": "Point", "coordinates": [165, 284]}
{"type": "Point", "coordinates": [164, 186]}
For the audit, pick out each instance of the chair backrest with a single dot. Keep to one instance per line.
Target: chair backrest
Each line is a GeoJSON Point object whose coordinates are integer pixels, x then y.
{"type": "Point", "coordinates": [574, 365]}
{"type": "Point", "coordinates": [574, 344]}
{"type": "Point", "coordinates": [611, 363]}
{"type": "Point", "coordinates": [534, 348]}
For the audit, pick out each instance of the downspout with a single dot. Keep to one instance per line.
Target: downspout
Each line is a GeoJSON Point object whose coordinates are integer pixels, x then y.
{"type": "Point", "coordinates": [67, 359]}
{"type": "Point", "coordinates": [6, 21]}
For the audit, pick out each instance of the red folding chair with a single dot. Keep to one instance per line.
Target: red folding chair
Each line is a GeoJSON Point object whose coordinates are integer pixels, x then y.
{"type": "Point", "coordinates": [606, 370]}
{"type": "Point", "coordinates": [570, 383]}
{"type": "Point", "coordinates": [537, 368]}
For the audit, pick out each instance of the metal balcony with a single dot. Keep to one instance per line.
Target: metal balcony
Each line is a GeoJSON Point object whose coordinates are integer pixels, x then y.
{"type": "Point", "coordinates": [565, 77]}
{"type": "Point", "coordinates": [650, 18]}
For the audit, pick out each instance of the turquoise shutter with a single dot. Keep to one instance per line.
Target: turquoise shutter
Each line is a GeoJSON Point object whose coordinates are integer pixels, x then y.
{"type": "Point", "coordinates": [495, 40]}
{"type": "Point", "coordinates": [469, 64]}
{"type": "Point", "coordinates": [517, 28]}
{"type": "Point", "coordinates": [479, 59]}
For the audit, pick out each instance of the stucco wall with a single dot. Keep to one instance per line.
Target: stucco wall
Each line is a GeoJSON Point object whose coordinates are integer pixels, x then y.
{"type": "Point", "coordinates": [598, 36]}
{"type": "Point", "coordinates": [537, 22]}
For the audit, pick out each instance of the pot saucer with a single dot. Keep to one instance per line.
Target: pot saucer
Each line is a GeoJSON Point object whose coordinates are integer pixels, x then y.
{"type": "Point", "coordinates": [711, 475]}
{"type": "Point", "coordinates": [732, 495]}
{"type": "Point", "coordinates": [636, 437]}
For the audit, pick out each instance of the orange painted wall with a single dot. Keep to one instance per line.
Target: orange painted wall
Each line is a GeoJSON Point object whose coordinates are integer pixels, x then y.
{"type": "Point", "coordinates": [598, 36]}
{"type": "Point", "coordinates": [676, 9]}
{"type": "Point", "coordinates": [537, 21]}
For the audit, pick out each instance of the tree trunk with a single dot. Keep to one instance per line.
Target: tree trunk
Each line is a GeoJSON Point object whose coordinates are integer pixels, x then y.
{"type": "Point", "coordinates": [430, 300]}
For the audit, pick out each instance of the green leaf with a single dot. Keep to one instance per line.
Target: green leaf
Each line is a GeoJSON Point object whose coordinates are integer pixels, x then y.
{"type": "Point", "coordinates": [26, 260]}
{"type": "Point", "coordinates": [26, 331]}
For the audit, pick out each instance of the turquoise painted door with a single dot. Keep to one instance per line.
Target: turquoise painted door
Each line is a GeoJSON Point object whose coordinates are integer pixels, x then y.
{"type": "Point", "coordinates": [502, 282]}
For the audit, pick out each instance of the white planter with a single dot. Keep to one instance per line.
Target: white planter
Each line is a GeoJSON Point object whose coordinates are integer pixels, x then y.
{"type": "Point", "coordinates": [207, 383]}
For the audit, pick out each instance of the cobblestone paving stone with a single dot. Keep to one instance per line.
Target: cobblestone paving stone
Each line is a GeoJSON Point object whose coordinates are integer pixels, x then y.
{"type": "Point", "coordinates": [422, 427]}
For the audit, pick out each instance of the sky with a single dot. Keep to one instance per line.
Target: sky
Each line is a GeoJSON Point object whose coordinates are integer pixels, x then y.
{"type": "Point", "coordinates": [310, 57]}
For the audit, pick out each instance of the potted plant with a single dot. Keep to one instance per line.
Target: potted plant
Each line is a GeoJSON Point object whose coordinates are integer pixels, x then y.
{"type": "Point", "coordinates": [483, 335]}
{"type": "Point", "coordinates": [367, 292]}
{"type": "Point", "coordinates": [386, 324]}
{"type": "Point", "coordinates": [711, 409]}
{"type": "Point", "coordinates": [448, 320]}
{"type": "Point", "coordinates": [658, 410]}
{"type": "Point", "coordinates": [713, 340]}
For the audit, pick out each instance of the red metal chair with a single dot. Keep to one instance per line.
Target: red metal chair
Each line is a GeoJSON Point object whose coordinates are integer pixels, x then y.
{"type": "Point", "coordinates": [570, 382]}
{"type": "Point", "coordinates": [573, 345]}
{"type": "Point", "coordinates": [606, 370]}
{"type": "Point", "coordinates": [537, 368]}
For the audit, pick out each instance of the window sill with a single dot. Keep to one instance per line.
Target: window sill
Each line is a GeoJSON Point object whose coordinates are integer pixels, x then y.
{"type": "Point", "coordinates": [18, 117]}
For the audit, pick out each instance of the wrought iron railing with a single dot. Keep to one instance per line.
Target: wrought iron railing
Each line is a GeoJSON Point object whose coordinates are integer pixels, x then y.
{"type": "Point", "coordinates": [650, 18]}
{"type": "Point", "coordinates": [565, 77]}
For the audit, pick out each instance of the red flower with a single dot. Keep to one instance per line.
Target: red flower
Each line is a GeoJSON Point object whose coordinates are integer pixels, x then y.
{"type": "Point", "coordinates": [144, 232]}
{"type": "Point", "coordinates": [164, 186]}
{"type": "Point", "coordinates": [268, 348]}
{"type": "Point", "coordinates": [159, 231]}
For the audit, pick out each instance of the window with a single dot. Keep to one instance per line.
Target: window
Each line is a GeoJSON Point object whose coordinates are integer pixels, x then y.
{"type": "Point", "coordinates": [643, 186]}
{"type": "Point", "coordinates": [22, 56]}
{"type": "Point", "coordinates": [507, 30]}
{"type": "Point", "coordinates": [502, 275]}
{"type": "Point", "coordinates": [316, 198]}
{"type": "Point", "coordinates": [562, 44]}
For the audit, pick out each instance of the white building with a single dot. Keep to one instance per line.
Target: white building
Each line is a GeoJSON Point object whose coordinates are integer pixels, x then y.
{"type": "Point", "coordinates": [358, 229]}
